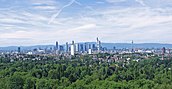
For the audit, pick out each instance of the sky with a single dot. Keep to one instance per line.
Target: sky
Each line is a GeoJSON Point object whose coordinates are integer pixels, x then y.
{"type": "Point", "coordinates": [36, 22]}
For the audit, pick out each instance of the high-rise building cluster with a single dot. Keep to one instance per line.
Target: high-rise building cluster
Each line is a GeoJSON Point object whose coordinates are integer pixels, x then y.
{"type": "Point", "coordinates": [79, 48]}
{"type": "Point", "coordinates": [83, 48]}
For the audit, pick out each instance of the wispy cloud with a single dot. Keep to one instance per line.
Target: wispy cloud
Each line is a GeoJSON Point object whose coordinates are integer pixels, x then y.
{"type": "Point", "coordinates": [111, 20]}
{"type": "Point", "coordinates": [65, 6]}
{"type": "Point", "coordinates": [114, 1]}
{"type": "Point", "coordinates": [141, 2]}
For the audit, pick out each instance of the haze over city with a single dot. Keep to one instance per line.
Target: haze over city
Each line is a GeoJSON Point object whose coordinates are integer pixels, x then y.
{"type": "Point", "coordinates": [35, 22]}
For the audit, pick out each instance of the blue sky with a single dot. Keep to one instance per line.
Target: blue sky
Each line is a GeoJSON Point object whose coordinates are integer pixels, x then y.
{"type": "Point", "coordinates": [34, 22]}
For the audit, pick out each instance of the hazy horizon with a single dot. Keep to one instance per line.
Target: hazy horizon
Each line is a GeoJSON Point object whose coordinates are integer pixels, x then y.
{"type": "Point", "coordinates": [46, 44]}
{"type": "Point", "coordinates": [36, 22]}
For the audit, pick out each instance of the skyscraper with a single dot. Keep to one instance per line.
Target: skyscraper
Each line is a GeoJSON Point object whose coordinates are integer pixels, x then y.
{"type": "Point", "coordinates": [73, 48]}
{"type": "Point", "coordinates": [98, 45]}
{"type": "Point", "coordinates": [163, 52]}
{"type": "Point", "coordinates": [77, 47]}
{"type": "Point", "coordinates": [93, 47]}
{"type": "Point", "coordinates": [132, 49]}
{"type": "Point", "coordinates": [169, 53]}
{"type": "Point", "coordinates": [81, 47]}
{"type": "Point", "coordinates": [86, 47]}
{"type": "Point", "coordinates": [89, 46]}
{"type": "Point", "coordinates": [19, 50]}
{"type": "Point", "coordinates": [57, 46]}
{"type": "Point", "coordinates": [67, 47]}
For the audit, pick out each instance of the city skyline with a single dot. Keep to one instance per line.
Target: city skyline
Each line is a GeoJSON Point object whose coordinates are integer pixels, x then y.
{"type": "Point", "coordinates": [35, 22]}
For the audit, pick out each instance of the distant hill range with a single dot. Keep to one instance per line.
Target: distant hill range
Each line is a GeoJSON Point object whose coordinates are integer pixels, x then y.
{"type": "Point", "coordinates": [107, 45]}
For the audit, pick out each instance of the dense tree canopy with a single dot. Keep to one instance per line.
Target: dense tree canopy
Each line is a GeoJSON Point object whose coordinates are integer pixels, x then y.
{"type": "Point", "coordinates": [85, 73]}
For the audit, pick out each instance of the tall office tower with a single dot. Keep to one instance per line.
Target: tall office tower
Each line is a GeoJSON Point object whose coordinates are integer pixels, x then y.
{"type": "Point", "coordinates": [169, 53]}
{"type": "Point", "coordinates": [93, 46]}
{"type": "Point", "coordinates": [81, 47]}
{"type": "Point", "coordinates": [73, 48]}
{"type": "Point", "coordinates": [85, 47]}
{"type": "Point", "coordinates": [163, 52]}
{"type": "Point", "coordinates": [77, 47]}
{"type": "Point", "coordinates": [89, 46]}
{"type": "Point", "coordinates": [98, 45]}
{"type": "Point", "coordinates": [19, 50]}
{"type": "Point", "coordinates": [132, 49]}
{"type": "Point", "coordinates": [89, 49]}
{"type": "Point", "coordinates": [67, 47]}
{"type": "Point", "coordinates": [57, 46]}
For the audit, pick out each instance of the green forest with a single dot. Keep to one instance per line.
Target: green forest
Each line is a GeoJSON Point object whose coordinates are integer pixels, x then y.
{"type": "Point", "coordinates": [85, 73]}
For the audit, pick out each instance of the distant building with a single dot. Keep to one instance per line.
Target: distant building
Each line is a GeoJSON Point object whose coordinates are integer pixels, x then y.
{"type": "Point", "coordinates": [98, 45]}
{"type": "Point", "coordinates": [67, 47]}
{"type": "Point", "coordinates": [73, 48]}
{"type": "Point", "coordinates": [57, 46]}
{"type": "Point", "coordinates": [104, 49]}
{"type": "Point", "coordinates": [77, 47]}
{"type": "Point", "coordinates": [114, 48]}
{"type": "Point", "coordinates": [93, 47]}
{"type": "Point", "coordinates": [61, 48]}
{"type": "Point", "coordinates": [163, 52]}
{"type": "Point", "coordinates": [90, 51]}
{"type": "Point", "coordinates": [19, 50]}
{"type": "Point", "coordinates": [81, 47]}
{"type": "Point", "coordinates": [85, 47]}
{"type": "Point", "coordinates": [132, 48]}
{"type": "Point", "coordinates": [89, 46]}
{"type": "Point", "coordinates": [169, 53]}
